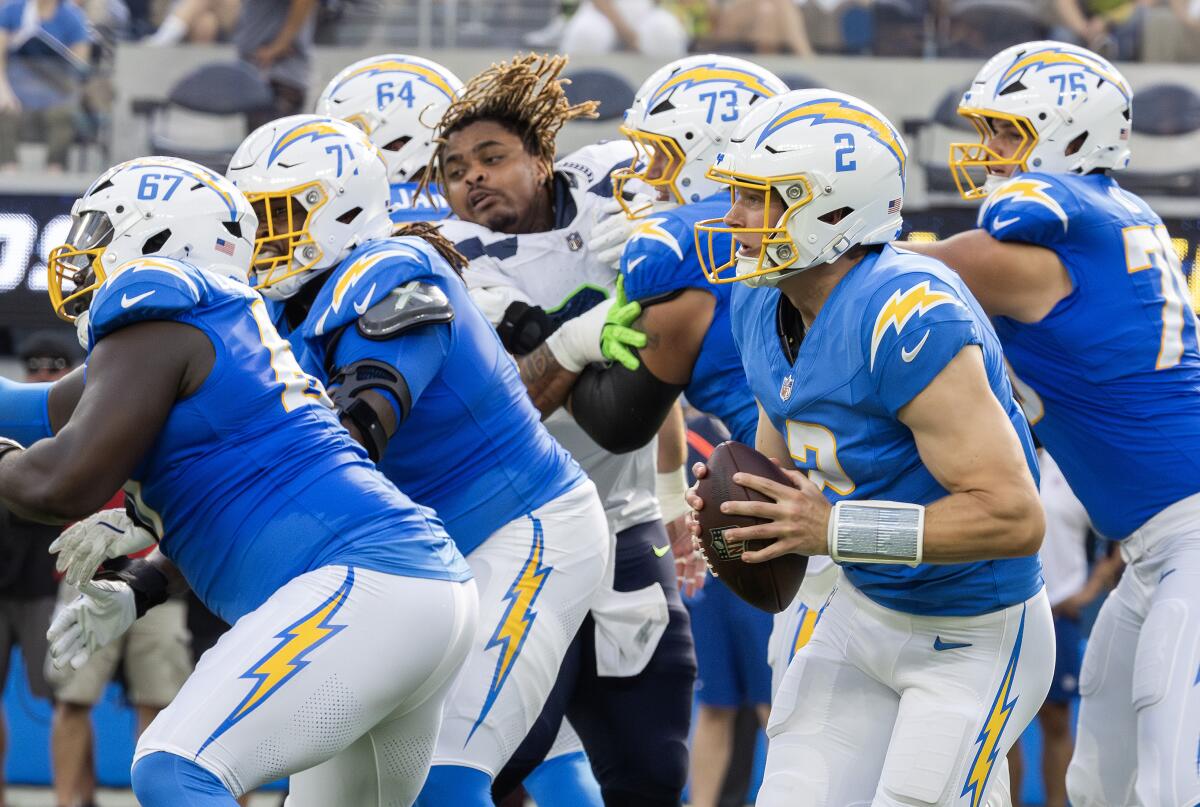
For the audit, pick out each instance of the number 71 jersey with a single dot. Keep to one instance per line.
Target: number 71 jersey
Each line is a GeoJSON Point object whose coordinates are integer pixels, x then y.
{"type": "Point", "coordinates": [1110, 378]}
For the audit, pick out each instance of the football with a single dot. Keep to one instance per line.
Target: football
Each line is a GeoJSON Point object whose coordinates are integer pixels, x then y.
{"type": "Point", "coordinates": [770, 586]}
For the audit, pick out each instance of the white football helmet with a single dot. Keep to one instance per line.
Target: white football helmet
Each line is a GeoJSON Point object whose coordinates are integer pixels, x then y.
{"type": "Point", "coordinates": [159, 206]}
{"type": "Point", "coordinates": [1073, 108]}
{"type": "Point", "coordinates": [837, 166]}
{"type": "Point", "coordinates": [398, 101]}
{"type": "Point", "coordinates": [682, 116]}
{"type": "Point", "coordinates": [320, 189]}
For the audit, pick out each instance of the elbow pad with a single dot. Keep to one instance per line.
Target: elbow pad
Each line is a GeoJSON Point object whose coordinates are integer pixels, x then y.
{"type": "Point", "coordinates": [523, 327]}
{"type": "Point", "coordinates": [347, 386]}
{"type": "Point", "coordinates": [621, 409]}
{"type": "Point", "coordinates": [24, 411]}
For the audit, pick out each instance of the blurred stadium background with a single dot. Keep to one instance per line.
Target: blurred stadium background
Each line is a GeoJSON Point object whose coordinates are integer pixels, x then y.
{"type": "Point", "coordinates": [84, 104]}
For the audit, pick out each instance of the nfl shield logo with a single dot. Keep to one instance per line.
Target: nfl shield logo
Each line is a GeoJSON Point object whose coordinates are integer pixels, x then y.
{"type": "Point", "coordinates": [785, 389]}
{"type": "Point", "coordinates": [575, 242]}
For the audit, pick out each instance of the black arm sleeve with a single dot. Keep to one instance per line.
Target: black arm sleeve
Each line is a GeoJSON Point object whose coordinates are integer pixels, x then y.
{"type": "Point", "coordinates": [349, 382]}
{"type": "Point", "coordinates": [621, 409]}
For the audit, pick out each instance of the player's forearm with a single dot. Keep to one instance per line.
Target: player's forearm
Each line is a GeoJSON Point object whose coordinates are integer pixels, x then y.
{"type": "Point", "coordinates": [43, 484]}
{"type": "Point", "coordinates": [672, 441]}
{"type": "Point", "coordinates": [547, 381]}
{"type": "Point", "coordinates": [983, 525]}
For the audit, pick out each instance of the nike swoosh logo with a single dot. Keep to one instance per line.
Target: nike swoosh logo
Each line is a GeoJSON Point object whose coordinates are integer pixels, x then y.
{"type": "Point", "coordinates": [629, 267]}
{"type": "Point", "coordinates": [939, 645]}
{"type": "Point", "coordinates": [909, 355]}
{"type": "Point", "coordinates": [127, 301]}
{"type": "Point", "coordinates": [661, 550]}
{"type": "Point", "coordinates": [1000, 224]}
{"type": "Point", "coordinates": [360, 308]}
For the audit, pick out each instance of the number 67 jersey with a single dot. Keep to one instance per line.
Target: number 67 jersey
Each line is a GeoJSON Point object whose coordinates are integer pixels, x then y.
{"type": "Point", "coordinates": [1110, 378]}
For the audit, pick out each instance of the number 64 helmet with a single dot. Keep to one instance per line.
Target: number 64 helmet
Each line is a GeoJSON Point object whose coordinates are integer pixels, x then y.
{"type": "Point", "coordinates": [833, 164]}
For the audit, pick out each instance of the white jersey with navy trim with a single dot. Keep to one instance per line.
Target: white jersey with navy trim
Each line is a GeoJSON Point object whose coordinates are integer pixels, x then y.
{"type": "Point", "coordinates": [555, 270]}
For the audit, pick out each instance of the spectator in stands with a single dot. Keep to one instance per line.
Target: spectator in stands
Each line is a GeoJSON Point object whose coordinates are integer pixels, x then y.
{"type": "Point", "coordinates": [44, 48]}
{"type": "Point", "coordinates": [761, 26]}
{"type": "Point", "coordinates": [197, 21]}
{"type": "Point", "coordinates": [1071, 589]}
{"type": "Point", "coordinates": [155, 659]}
{"type": "Point", "coordinates": [1112, 28]}
{"type": "Point", "coordinates": [1172, 33]}
{"type": "Point", "coordinates": [27, 584]}
{"type": "Point", "coordinates": [640, 26]}
{"type": "Point", "coordinates": [277, 37]}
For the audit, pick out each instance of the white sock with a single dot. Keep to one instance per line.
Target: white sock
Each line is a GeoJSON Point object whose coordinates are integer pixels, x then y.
{"type": "Point", "coordinates": [171, 31]}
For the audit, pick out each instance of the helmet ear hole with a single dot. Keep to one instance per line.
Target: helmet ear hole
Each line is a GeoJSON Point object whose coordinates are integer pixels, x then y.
{"type": "Point", "coordinates": [156, 242]}
{"type": "Point", "coordinates": [350, 215]}
{"type": "Point", "coordinates": [1076, 144]}
{"type": "Point", "coordinates": [234, 228]}
{"type": "Point", "coordinates": [398, 143]}
{"type": "Point", "coordinates": [834, 216]}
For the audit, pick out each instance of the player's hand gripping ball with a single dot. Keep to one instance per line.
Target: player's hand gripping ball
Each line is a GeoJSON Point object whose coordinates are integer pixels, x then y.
{"type": "Point", "coordinates": [771, 585]}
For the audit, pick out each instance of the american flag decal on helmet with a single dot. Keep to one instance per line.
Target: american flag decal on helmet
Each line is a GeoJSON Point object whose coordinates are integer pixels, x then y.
{"type": "Point", "coordinates": [894, 206]}
{"type": "Point", "coordinates": [225, 247]}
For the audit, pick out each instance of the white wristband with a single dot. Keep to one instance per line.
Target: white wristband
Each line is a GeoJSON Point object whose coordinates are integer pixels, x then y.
{"type": "Point", "coordinates": [670, 489]}
{"type": "Point", "coordinates": [877, 532]}
{"type": "Point", "coordinates": [576, 343]}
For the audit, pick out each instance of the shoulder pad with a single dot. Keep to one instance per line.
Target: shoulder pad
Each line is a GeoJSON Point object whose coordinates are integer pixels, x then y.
{"type": "Point", "coordinates": [144, 289]}
{"type": "Point", "coordinates": [906, 303]}
{"type": "Point", "coordinates": [590, 167]}
{"type": "Point", "coordinates": [414, 304]}
{"type": "Point", "coordinates": [364, 278]}
{"type": "Point", "coordinates": [657, 258]}
{"type": "Point", "coordinates": [1032, 208]}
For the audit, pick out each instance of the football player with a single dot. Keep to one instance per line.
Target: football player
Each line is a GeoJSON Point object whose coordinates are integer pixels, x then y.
{"type": "Point", "coordinates": [397, 100]}
{"type": "Point", "coordinates": [421, 378]}
{"type": "Point", "coordinates": [1093, 312]}
{"type": "Point", "coordinates": [526, 226]}
{"type": "Point", "coordinates": [351, 608]}
{"type": "Point", "coordinates": [878, 374]}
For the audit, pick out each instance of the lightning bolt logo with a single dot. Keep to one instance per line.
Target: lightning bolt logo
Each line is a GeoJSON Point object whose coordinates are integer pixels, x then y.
{"type": "Point", "coordinates": [708, 73]}
{"type": "Point", "coordinates": [310, 130]}
{"type": "Point", "coordinates": [902, 307]}
{"type": "Point", "coordinates": [1056, 57]}
{"type": "Point", "coordinates": [1026, 190]}
{"type": "Point", "coordinates": [514, 626]}
{"type": "Point", "coordinates": [361, 267]}
{"type": "Point", "coordinates": [386, 66]}
{"type": "Point", "coordinates": [993, 726]}
{"type": "Point", "coordinates": [652, 230]}
{"type": "Point", "coordinates": [835, 110]}
{"type": "Point", "coordinates": [279, 666]}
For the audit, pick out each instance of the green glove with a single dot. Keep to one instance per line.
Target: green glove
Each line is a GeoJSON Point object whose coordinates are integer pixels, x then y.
{"type": "Point", "coordinates": [618, 340]}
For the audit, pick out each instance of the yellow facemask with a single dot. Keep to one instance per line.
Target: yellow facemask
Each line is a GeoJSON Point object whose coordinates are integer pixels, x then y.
{"type": "Point", "coordinates": [775, 235]}
{"type": "Point", "coordinates": [652, 151]}
{"type": "Point", "coordinates": [284, 221]}
{"type": "Point", "coordinates": [73, 273]}
{"type": "Point", "coordinates": [979, 156]}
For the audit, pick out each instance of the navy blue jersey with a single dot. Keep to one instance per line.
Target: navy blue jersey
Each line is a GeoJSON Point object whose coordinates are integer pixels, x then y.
{"type": "Point", "coordinates": [1110, 377]}
{"type": "Point", "coordinates": [252, 481]}
{"type": "Point", "coordinates": [473, 447]}
{"type": "Point", "coordinates": [659, 260]}
{"type": "Point", "coordinates": [885, 332]}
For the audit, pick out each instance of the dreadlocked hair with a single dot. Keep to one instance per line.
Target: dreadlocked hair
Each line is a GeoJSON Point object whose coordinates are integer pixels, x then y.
{"type": "Point", "coordinates": [525, 95]}
{"type": "Point", "coordinates": [433, 235]}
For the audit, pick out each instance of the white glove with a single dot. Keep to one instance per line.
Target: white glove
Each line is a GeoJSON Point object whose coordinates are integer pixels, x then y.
{"type": "Point", "coordinates": [576, 343]}
{"type": "Point", "coordinates": [83, 546]}
{"type": "Point", "coordinates": [102, 612]}
{"type": "Point", "coordinates": [612, 228]}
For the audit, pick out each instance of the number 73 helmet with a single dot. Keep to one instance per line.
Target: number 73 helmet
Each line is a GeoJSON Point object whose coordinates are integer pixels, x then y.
{"type": "Point", "coordinates": [830, 162]}
{"type": "Point", "coordinates": [1072, 108]}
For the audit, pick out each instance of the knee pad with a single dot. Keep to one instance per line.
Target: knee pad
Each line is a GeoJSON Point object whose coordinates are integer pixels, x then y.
{"type": "Point", "coordinates": [1084, 788]}
{"type": "Point", "coordinates": [457, 785]}
{"type": "Point", "coordinates": [565, 781]}
{"type": "Point", "coordinates": [166, 780]}
{"type": "Point", "coordinates": [1157, 649]}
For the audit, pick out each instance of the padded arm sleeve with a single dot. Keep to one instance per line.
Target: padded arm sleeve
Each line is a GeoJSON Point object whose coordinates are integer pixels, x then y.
{"type": "Point", "coordinates": [24, 411]}
{"type": "Point", "coordinates": [621, 409]}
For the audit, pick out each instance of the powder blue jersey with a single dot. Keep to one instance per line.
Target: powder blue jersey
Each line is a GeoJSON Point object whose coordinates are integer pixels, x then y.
{"type": "Point", "coordinates": [252, 481]}
{"type": "Point", "coordinates": [473, 447]}
{"type": "Point", "coordinates": [410, 204]}
{"type": "Point", "coordinates": [885, 332]}
{"type": "Point", "coordinates": [659, 261]}
{"type": "Point", "coordinates": [1110, 378]}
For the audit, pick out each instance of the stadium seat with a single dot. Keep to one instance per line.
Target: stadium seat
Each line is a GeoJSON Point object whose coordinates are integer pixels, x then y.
{"type": "Point", "coordinates": [904, 27]}
{"type": "Point", "coordinates": [929, 140]}
{"type": "Point", "coordinates": [204, 115]}
{"type": "Point", "coordinates": [977, 29]}
{"type": "Point", "coordinates": [799, 81]}
{"type": "Point", "coordinates": [606, 86]}
{"type": "Point", "coordinates": [1165, 142]}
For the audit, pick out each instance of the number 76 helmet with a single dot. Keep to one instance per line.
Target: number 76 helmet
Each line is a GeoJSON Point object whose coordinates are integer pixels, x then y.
{"type": "Point", "coordinates": [832, 163]}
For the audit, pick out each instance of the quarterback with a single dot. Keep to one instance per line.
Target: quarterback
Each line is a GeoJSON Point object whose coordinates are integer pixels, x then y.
{"type": "Point", "coordinates": [421, 378]}
{"type": "Point", "coordinates": [526, 227]}
{"type": "Point", "coordinates": [1092, 309]}
{"type": "Point", "coordinates": [351, 608]}
{"type": "Point", "coordinates": [877, 373]}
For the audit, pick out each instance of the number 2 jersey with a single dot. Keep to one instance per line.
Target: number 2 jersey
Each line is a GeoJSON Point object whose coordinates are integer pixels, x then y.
{"type": "Point", "coordinates": [658, 262]}
{"type": "Point", "coordinates": [892, 323]}
{"type": "Point", "coordinates": [1110, 378]}
{"type": "Point", "coordinates": [472, 447]}
{"type": "Point", "coordinates": [252, 481]}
